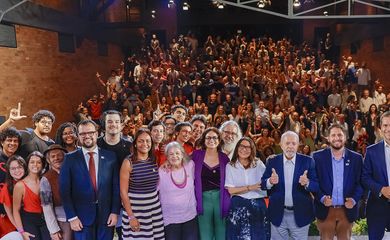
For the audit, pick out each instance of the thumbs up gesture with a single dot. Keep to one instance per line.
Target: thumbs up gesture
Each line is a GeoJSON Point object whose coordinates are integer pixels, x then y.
{"type": "Point", "coordinates": [303, 180]}
{"type": "Point", "coordinates": [274, 179]}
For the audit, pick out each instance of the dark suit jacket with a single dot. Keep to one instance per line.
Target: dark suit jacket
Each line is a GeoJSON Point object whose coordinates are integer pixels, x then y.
{"type": "Point", "coordinates": [374, 177]}
{"type": "Point", "coordinates": [77, 193]}
{"type": "Point", "coordinates": [303, 202]}
{"type": "Point", "coordinates": [351, 186]}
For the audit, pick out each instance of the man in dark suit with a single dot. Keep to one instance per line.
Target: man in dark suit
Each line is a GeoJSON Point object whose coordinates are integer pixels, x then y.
{"type": "Point", "coordinates": [339, 171]}
{"type": "Point", "coordinates": [89, 187]}
{"type": "Point", "coordinates": [375, 178]}
{"type": "Point", "coordinates": [290, 177]}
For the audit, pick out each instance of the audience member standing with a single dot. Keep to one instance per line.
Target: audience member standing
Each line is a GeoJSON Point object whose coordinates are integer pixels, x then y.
{"type": "Point", "coordinates": [89, 187]}
{"type": "Point", "coordinates": [26, 204]}
{"type": "Point", "coordinates": [177, 195]}
{"type": "Point", "coordinates": [212, 198]}
{"type": "Point", "coordinates": [142, 218]}
{"type": "Point", "coordinates": [375, 178]}
{"type": "Point", "coordinates": [49, 192]}
{"type": "Point", "coordinates": [339, 171]}
{"type": "Point", "coordinates": [247, 213]}
{"type": "Point", "coordinates": [38, 140]}
{"type": "Point", "coordinates": [289, 178]}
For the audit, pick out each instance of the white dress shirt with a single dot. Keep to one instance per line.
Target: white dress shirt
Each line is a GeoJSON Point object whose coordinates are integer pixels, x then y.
{"type": "Point", "coordinates": [95, 158]}
{"type": "Point", "coordinates": [288, 169]}
{"type": "Point", "coordinates": [238, 176]}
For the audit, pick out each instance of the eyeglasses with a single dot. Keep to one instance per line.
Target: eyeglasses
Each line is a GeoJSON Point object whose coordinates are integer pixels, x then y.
{"type": "Point", "coordinates": [16, 168]}
{"type": "Point", "coordinates": [214, 138]}
{"type": "Point", "coordinates": [230, 133]}
{"type": "Point", "coordinates": [84, 134]}
{"type": "Point", "coordinates": [245, 147]}
{"type": "Point", "coordinates": [44, 122]}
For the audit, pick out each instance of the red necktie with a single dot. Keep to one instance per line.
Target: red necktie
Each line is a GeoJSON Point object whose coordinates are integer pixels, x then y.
{"type": "Point", "coordinates": [92, 170]}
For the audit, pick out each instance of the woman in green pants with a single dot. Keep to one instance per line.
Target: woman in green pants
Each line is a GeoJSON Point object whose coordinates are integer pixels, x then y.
{"type": "Point", "coordinates": [212, 198]}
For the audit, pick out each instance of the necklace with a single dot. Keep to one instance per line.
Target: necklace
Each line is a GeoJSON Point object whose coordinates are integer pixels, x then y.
{"type": "Point", "coordinates": [184, 183]}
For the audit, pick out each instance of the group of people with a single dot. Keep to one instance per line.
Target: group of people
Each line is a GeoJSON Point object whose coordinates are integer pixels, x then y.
{"type": "Point", "coordinates": [238, 140]}
{"type": "Point", "coordinates": [196, 182]}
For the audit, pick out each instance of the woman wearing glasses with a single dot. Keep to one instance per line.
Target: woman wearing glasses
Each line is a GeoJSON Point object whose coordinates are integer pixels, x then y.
{"type": "Point", "coordinates": [211, 196]}
{"type": "Point", "coordinates": [247, 213]}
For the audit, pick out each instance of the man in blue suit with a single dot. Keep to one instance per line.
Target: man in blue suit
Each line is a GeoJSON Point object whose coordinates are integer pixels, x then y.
{"type": "Point", "coordinates": [339, 172]}
{"type": "Point", "coordinates": [290, 177]}
{"type": "Point", "coordinates": [375, 178]}
{"type": "Point", "coordinates": [89, 187]}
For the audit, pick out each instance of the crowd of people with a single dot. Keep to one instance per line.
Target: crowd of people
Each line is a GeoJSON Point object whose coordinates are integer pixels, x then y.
{"type": "Point", "coordinates": [237, 139]}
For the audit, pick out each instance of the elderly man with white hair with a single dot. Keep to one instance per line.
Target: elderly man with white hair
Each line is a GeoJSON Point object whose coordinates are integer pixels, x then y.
{"type": "Point", "coordinates": [231, 134]}
{"type": "Point", "coordinates": [290, 177]}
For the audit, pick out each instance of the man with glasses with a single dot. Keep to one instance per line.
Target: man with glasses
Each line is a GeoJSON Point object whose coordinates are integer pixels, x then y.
{"type": "Point", "coordinates": [38, 139]}
{"type": "Point", "coordinates": [231, 134]}
{"type": "Point", "coordinates": [183, 134]}
{"type": "Point", "coordinates": [89, 187]}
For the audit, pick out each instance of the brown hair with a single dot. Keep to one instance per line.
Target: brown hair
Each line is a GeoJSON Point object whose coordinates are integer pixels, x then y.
{"type": "Point", "coordinates": [252, 157]}
{"type": "Point", "coordinates": [202, 140]}
{"type": "Point", "coordinates": [133, 157]}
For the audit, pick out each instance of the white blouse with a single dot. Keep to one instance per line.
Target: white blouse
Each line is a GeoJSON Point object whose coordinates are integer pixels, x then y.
{"type": "Point", "coordinates": [238, 176]}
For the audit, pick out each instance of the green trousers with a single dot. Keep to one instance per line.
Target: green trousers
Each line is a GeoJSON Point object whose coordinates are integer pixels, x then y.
{"type": "Point", "coordinates": [211, 225]}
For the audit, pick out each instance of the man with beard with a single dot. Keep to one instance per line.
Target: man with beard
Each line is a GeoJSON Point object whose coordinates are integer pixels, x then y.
{"type": "Point", "coordinates": [89, 187]}
{"type": "Point", "coordinates": [38, 140]}
{"type": "Point", "coordinates": [170, 123]}
{"type": "Point", "coordinates": [290, 202]}
{"type": "Point", "coordinates": [49, 193]}
{"type": "Point", "coordinates": [199, 123]}
{"type": "Point", "coordinates": [339, 171]}
{"type": "Point", "coordinates": [231, 134]}
{"type": "Point", "coordinates": [112, 123]}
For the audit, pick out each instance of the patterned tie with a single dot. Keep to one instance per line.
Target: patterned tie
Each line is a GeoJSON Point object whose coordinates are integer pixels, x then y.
{"type": "Point", "coordinates": [92, 170]}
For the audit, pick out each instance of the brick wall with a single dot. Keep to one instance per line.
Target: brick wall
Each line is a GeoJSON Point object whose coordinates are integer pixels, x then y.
{"type": "Point", "coordinates": [40, 77]}
{"type": "Point", "coordinates": [377, 61]}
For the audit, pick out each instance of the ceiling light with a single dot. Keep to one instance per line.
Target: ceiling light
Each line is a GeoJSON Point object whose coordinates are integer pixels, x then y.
{"type": "Point", "coordinates": [296, 3]}
{"type": "Point", "coordinates": [326, 13]}
{"type": "Point", "coordinates": [171, 4]}
{"type": "Point", "coordinates": [186, 6]}
{"type": "Point", "coordinates": [261, 4]}
{"type": "Point", "coordinates": [153, 13]}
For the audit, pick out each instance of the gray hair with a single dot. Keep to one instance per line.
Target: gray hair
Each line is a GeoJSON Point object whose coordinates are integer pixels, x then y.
{"type": "Point", "coordinates": [385, 114]}
{"type": "Point", "coordinates": [177, 145]}
{"type": "Point", "coordinates": [234, 123]}
{"type": "Point", "coordinates": [289, 133]}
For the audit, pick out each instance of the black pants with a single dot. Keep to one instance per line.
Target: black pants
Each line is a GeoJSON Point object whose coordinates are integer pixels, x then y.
{"type": "Point", "coordinates": [35, 224]}
{"type": "Point", "coordinates": [182, 231]}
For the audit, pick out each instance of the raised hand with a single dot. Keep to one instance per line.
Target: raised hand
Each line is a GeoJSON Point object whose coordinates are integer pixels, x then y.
{"type": "Point", "coordinates": [303, 180]}
{"type": "Point", "coordinates": [274, 179]}
{"type": "Point", "coordinates": [14, 114]}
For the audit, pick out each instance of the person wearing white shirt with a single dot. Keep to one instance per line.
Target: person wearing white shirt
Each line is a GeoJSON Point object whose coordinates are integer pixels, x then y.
{"type": "Point", "coordinates": [246, 217]}
{"type": "Point", "coordinates": [379, 96]}
{"type": "Point", "coordinates": [334, 99]}
{"type": "Point", "coordinates": [366, 101]}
